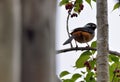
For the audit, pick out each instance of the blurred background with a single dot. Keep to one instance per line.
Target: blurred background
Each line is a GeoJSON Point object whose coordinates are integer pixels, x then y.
{"type": "Point", "coordinates": [27, 41]}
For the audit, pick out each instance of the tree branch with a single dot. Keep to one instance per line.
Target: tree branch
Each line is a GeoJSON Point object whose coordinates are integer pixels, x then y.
{"type": "Point", "coordinates": [85, 48]}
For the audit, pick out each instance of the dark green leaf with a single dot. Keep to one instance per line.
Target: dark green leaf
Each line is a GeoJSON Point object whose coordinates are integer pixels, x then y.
{"type": "Point", "coordinates": [76, 76]}
{"type": "Point", "coordinates": [83, 72]}
{"type": "Point", "coordinates": [79, 1]}
{"type": "Point", "coordinates": [63, 73]}
{"type": "Point", "coordinates": [82, 59]}
{"type": "Point", "coordinates": [89, 2]}
{"type": "Point", "coordinates": [63, 2]}
{"type": "Point", "coordinates": [117, 5]}
{"type": "Point", "coordinates": [89, 77]}
{"type": "Point", "coordinates": [92, 64]}
{"type": "Point", "coordinates": [114, 58]}
{"type": "Point", "coordinates": [67, 80]}
{"type": "Point", "coordinates": [92, 80]}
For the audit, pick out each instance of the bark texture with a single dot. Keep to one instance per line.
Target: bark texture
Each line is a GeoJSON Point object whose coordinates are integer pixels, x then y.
{"type": "Point", "coordinates": [102, 42]}
{"type": "Point", "coordinates": [38, 55]}
{"type": "Point", "coordinates": [33, 58]}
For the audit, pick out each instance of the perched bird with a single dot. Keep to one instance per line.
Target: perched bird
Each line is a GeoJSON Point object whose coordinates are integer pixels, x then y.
{"type": "Point", "coordinates": [82, 34]}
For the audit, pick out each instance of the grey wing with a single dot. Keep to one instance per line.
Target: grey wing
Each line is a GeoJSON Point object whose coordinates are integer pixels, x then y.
{"type": "Point", "coordinates": [68, 40]}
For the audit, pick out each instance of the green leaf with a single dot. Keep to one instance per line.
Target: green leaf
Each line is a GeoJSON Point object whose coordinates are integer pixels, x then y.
{"type": "Point", "coordinates": [94, 0]}
{"type": "Point", "coordinates": [82, 59]}
{"type": "Point", "coordinates": [117, 5]}
{"type": "Point", "coordinates": [76, 76]}
{"type": "Point", "coordinates": [64, 73]}
{"type": "Point", "coordinates": [114, 58]}
{"type": "Point", "coordinates": [67, 80]}
{"type": "Point", "coordinates": [89, 77]}
{"type": "Point", "coordinates": [79, 1]}
{"type": "Point", "coordinates": [92, 63]}
{"type": "Point", "coordinates": [63, 2]}
{"type": "Point", "coordinates": [77, 7]}
{"type": "Point", "coordinates": [94, 45]}
{"type": "Point", "coordinates": [83, 72]}
{"type": "Point", "coordinates": [111, 70]}
{"type": "Point", "coordinates": [89, 2]}
{"type": "Point", "coordinates": [110, 60]}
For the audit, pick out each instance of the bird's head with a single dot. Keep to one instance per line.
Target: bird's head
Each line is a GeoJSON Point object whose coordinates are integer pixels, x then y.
{"type": "Point", "coordinates": [91, 26]}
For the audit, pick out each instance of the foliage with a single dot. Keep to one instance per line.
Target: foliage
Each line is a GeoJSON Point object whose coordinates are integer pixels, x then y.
{"type": "Point", "coordinates": [64, 73]}
{"type": "Point", "coordinates": [74, 6]}
{"type": "Point", "coordinates": [116, 6]}
{"type": "Point", "coordinates": [87, 59]}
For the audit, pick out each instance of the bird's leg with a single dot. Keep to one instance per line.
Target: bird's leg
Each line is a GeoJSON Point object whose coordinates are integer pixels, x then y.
{"type": "Point", "coordinates": [76, 44]}
{"type": "Point", "coordinates": [87, 45]}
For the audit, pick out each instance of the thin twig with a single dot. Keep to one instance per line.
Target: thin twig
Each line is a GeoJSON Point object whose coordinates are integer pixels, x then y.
{"type": "Point", "coordinates": [85, 48]}
{"type": "Point", "coordinates": [67, 23]}
{"type": "Point", "coordinates": [67, 27]}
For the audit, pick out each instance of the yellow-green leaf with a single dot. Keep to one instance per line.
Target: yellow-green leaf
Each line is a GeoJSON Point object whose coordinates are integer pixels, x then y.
{"type": "Point", "coordinates": [79, 1]}
{"type": "Point", "coordinates": [89, 2]}
{"type": "Point", "coordinates": [68, 80]}
{"type": "Point", "coordinates": [82, 59]}
{"type": "Point", "coordinates": [63, 2]}
{"type": "Point", "coordinates": [64, 73]}
{"type": "Point", "coordinates": [76, 76]}
{"type": "Point", "coordinates": [94, 45]}
{"type": "Point", "coordinates": [117, 5]}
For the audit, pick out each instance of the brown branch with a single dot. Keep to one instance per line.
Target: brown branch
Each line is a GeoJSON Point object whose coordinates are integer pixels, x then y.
{"type": "Point", "coordinates": [85, 48]}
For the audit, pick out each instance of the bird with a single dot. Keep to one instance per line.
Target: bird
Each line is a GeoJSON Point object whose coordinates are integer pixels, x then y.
{"type": "Point", "coordinates": [82, 34]}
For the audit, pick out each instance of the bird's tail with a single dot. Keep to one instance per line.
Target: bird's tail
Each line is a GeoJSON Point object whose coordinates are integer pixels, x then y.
{"type": "Point", "coordinates": [68, 41]}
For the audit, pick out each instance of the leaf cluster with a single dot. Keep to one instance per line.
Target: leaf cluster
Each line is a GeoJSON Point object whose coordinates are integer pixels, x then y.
{"type": "Point", "coordinates": [87, 60]}
{"type": "Point", "coordinates": [75, 6]}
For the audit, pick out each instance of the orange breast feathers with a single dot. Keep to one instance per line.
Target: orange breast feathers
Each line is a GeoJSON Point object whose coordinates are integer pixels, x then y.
{"type": "Point", "coordinates": [82, 37]}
